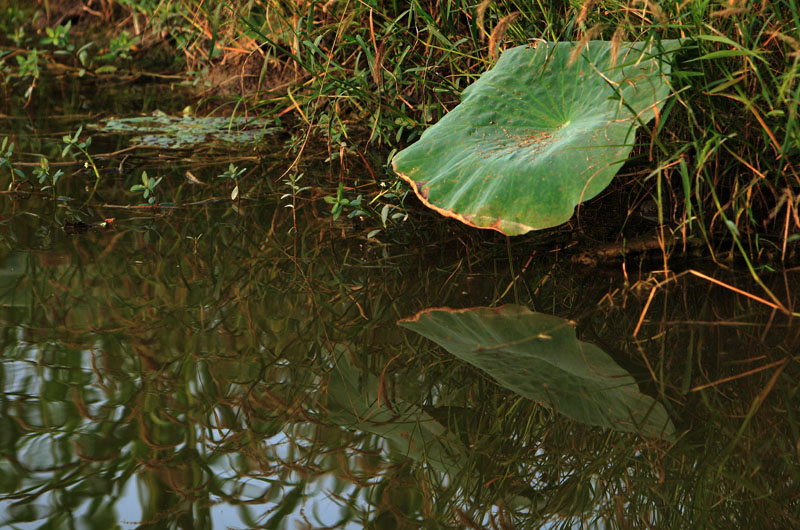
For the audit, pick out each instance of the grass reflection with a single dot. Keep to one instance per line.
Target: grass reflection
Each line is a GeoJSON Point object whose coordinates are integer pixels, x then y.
{"type": "Point", "coordinates": [212, 357]}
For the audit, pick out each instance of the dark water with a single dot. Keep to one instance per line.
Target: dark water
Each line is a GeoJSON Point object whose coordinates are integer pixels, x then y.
{"type": "Point", "coordinates": [240, 365]}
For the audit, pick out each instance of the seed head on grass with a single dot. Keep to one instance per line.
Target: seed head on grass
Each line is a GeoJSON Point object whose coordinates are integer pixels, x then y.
{"type": "Point", "coordinates": [790, 41]}
{"type": "Point", "coordinates": [327, 6]}
{"type": "Point", "coordinates": [656, 10]}
{"type": "Point", "coordinates": [589, 35]}
{"type": "Point", "coordinates": [584, 12]}
{"type": "Point", "coordinates": [735, 7]}
{"type": "Point", "coordinates": [480, 12]}
{"type": "Point", "coordinates": [729, 12]}
{"type": "Point", "coordinates": [499, 32]}
{"type": "Point", "coordinates": [616, 39]}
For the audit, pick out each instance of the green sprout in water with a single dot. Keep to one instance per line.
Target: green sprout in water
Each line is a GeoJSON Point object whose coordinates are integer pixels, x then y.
{"type": "Point", "coordinates": [339, 203]}
{"type": "Point", "coordinates": [72, 142]}
{"type": "Point", "coordinates": [233, 173]}
{"type": "Point", "coordinates": [6, 152]}
{"type": "Point", "coordinates": [119, 47]}
{"type": "Point", "coordinates": [293, 182]}
{"type": "Point", "coordinates": [29, 68]}
{"type": "Point", "coordinates": [58, 37]}
{"type": "Point", "coordinates": [147, 187]}
{"type": "Point", "coordinates": [12, 24]}
{"type": "Point", "coordinates": [42, 174]}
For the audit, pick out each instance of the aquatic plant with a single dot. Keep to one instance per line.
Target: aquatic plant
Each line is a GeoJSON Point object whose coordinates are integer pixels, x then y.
{"type": "Point", "coordinates": [339, 203]}
{"type": "Point", "coordinates": [74, 142]}
{"type": "Point", "coordinates": [58, 37]}
{"type": "Point", "coordinates": [47, 179]}
{"type": "Point", "coordinates": [232, 174]}
{"type": "Point", "coordinates": [6, 154]}
{"type": "Point", "coordinates": [147, 188]}
{"type": "Point", "coordinates": [544, 130]}
{"type": "Point", "coordinates": [186, 132]}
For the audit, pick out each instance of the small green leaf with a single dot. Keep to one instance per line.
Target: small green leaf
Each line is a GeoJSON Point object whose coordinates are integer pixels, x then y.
{"type": "Point", "coordinates": [732, 227]}
{"type": "Point", "coordinates": [385, 213]}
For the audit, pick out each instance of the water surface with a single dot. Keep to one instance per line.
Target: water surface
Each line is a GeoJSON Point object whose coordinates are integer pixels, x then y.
{"type": "Point", "coordinates": [238, 364]}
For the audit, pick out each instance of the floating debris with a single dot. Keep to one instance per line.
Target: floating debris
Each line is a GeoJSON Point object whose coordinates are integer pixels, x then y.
{"type": "Point", "coordinates": [185, 132]}
{"type": "Point", "coordinates": [79, 227]}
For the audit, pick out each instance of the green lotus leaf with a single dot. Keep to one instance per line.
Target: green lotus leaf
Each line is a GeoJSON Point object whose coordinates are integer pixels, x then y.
{"type": "Point", "coordinates": [539, 357]}
{"type": "Point", "coordinates": [536, 135]}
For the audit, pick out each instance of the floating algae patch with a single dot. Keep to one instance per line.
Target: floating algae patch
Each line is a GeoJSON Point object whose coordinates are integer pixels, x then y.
{"type": "Point", "coordinates": [170, 132]}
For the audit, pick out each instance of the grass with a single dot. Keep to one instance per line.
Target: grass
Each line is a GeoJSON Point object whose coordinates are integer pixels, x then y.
{"type": "Point", "coordinates": [365, 79]}
{"type": "Point", "coordinates": [369, 77]}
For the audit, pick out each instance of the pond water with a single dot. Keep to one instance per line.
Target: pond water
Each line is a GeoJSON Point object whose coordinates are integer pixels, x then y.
{"type": "Point", "coordinates": [239, 364]}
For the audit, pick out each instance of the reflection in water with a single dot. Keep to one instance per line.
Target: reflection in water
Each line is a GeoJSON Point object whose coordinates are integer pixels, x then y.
{"type": "Point", "coordinates": [538, 356]}
{"type": "Point", "coordinates": [206, 370]}
{"type": "Point", "coordinates": [213, 366]}
{"type": "Point", "coordinates": [195, 362]}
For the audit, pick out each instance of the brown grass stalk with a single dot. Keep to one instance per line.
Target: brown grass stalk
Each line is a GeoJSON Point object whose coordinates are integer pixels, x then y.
{"type": "Point", "coordinates": [480, 13]}
{"type": "Point", "coordinates": [499, 32]}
